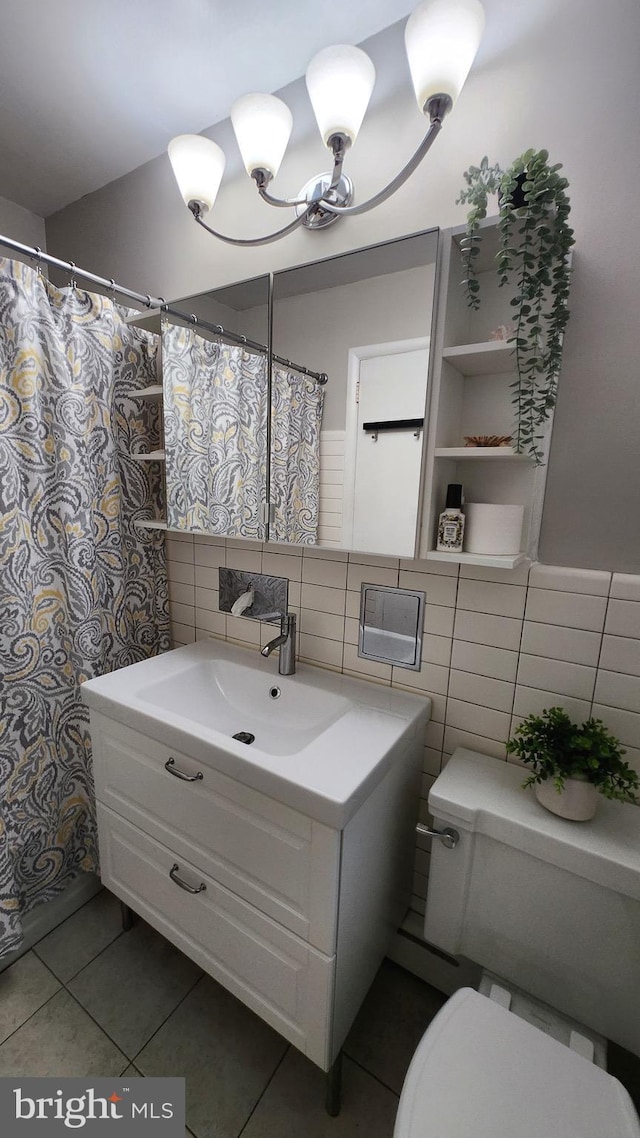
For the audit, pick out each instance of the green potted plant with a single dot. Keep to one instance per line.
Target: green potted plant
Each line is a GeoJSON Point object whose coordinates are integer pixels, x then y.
{"type": "Point", "coordinates": [572, 764]}
{"type": "Point", "coordinates": [535, 242]}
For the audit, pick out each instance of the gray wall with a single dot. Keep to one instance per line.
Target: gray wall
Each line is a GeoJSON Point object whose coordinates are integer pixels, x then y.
{"type": "Point", "coordinates": [566, 85]}
{"type": "Point", "coordinates": [22, 225]}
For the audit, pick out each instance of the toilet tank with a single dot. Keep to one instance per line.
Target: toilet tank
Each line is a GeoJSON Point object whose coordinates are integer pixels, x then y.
{"type": "Point", "coordinates": [551, 906]}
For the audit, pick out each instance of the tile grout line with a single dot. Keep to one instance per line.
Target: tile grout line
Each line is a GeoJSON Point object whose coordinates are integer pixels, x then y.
{"type": "Point", "coordinates": [604, 625]}
{"type": "Point", "coordinates": [264, 1090]}
{"type": "Point", "coordinates": [517, 683]}
{"type": "Point", "coordinates": [91, 961]}
{"type": "Point", "coordinates": [372, 1074]}
{"type": "Point", "coordinates": [168, 1017]}
{"type": "Point", "coordinates": [98, 1025]}
{"type": "Point", "coordinates": [34, 1013]}
{"type": "Point", "coordinates": [62, 923]}
{"type": "Point", "coordinates": [446, 697]}
{"type": "Point", "coordinates": [111, 1039]}
{"type": "Point", "coordinates": [64, 987]}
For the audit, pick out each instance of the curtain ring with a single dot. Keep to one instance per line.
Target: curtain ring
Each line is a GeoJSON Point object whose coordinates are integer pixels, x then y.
{"type": "Point", "coordinates": [38, 252]}
{"type": "Point", "coordinates": [194, 319]}
{"type": "Point", "coordinates": [72, 276]}
{"type": "Point", "coordinates": [112, 286]}
{"type": "Point", "coordinates": [148, 301]}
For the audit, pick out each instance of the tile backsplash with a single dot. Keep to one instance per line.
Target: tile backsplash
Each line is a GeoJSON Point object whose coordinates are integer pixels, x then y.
{"type": "Point", "coordinates": [497, 645]}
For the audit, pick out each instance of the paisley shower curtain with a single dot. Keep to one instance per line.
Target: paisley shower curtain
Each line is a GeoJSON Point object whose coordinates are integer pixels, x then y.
{"type": "Point", "coordinates": [82, 591]}
{"type": "Point", "coordinates": [296, 419]}
{"type": "Point", "coordinates": [215, 398]}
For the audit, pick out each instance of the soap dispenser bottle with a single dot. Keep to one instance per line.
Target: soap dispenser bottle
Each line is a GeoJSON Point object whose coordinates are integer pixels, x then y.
{"type": "Point", "coordinates": [451, 522]}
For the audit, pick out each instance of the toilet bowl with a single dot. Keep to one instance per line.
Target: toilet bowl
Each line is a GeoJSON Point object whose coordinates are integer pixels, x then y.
{"type": "Point", "coordinates": [552, 909]}
{"type": "Point", "coordinates": [482, 1072]}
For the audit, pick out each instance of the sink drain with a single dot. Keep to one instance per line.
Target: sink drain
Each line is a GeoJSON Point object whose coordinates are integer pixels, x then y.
{"type": "Point", "coordinates": [244, 737]}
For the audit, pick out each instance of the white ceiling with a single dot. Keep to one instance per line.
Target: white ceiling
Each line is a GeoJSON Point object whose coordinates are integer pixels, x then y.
{"type": "Point", "coordinates": [89, 90]}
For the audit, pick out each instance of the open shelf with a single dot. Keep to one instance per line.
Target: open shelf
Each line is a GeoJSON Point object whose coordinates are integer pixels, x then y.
{"type": "Point", "coordinates": [472, 396]}
{"type": "Point", "coordinates": [490, 358]}
{"type": "Point", "coordinates": [151, 523]}
{"type": "Point", "coordinates": [148, 321]}
{"type": "Point", "coordinates": [482, 453]}
{"type": "Point", "coordinates": [154, 391]}
{"type": "Point", "coordinates": [149, 456]}
{"type": "Point", "coordinates": [490, 560]}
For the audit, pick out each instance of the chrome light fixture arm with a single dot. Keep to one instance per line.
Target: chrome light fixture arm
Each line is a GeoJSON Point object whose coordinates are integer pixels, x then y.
{"type": "Point", "coordinates": [281, 203]}
{"type": "Point", "coordinates": [262, 179]}
{"type": "Point", "coordinates": [322, 210]}
{"type": "Point", "coordinates": [437, 107]}
{"type": "Point", "coordinates": [196, 210]}
{"type": "Point", "coordinates": [339, 144]}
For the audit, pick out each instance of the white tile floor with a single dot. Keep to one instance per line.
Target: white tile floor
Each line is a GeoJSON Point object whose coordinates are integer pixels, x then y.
{"type": "Point", "coordinates": [91, 1000]}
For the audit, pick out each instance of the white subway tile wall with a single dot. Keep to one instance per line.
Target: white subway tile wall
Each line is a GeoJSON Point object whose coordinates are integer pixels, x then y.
{"type": "Point", "coordinates": [497, 645]}
{"type": "Point", "coordinates": [623, 618]}
{"type": "Point", "coordinates": [331, 487]}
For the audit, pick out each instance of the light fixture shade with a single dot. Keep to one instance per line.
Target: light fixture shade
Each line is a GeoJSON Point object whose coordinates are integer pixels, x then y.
{"type": "Point", "coordinates": [442, 38]}
{"type": "Point", "coordinates": [340, 81]}
{"type": "Point", "coordinates": [198, 164]}
{"type": "Point", "coordinates": [262, 125]}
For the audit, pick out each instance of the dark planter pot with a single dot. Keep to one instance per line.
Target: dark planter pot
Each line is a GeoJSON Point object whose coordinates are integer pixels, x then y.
{"type": "Point", "coordinates": [518, 199]}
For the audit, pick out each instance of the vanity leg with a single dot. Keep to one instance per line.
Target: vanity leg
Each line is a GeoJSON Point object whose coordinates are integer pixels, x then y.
{"type": "Point", "coordinates": [127, 917]}
{"type": "Point", "coordinates": [334, 1087]}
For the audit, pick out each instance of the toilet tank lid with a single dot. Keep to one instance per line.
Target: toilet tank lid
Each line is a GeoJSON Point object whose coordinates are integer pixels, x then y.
{"type": "Point", "coordinates": [477, 793]}
{"type": "Point", "coordinates": [481, 1072]}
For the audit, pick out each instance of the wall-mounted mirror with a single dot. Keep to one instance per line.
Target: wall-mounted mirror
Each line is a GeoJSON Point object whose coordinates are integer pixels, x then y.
{"type": "Point", "coordinates": [346, 458]}
{"type": "Point", "coordinates": [215, 391]}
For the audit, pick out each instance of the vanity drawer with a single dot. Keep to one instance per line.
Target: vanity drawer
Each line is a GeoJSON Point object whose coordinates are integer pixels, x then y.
{"type": "Point", "coordinates": [280, 977]}
{"type": "Point", "coordinates": [279, 860]}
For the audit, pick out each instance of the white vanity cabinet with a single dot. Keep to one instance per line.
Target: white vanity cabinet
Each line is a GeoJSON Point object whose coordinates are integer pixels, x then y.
{"type": "Point", "coordinates": [291, 915]}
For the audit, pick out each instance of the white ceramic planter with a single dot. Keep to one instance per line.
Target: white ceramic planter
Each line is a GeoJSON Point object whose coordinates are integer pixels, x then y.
{"type": "Point", "coordinates": [577, 802]}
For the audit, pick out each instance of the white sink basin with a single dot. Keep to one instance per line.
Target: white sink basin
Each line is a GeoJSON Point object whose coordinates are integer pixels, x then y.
{"type": "Point", "coordinates": [320, 746]}
{"type": "Point", "coordinates": [282, 715]}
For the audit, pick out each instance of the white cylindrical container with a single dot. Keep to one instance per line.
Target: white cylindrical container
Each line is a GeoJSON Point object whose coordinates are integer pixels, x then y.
{"type": "Point", "coordinates": [492, 529]}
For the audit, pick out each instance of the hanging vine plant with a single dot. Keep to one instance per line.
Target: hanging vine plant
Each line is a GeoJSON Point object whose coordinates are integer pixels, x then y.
{"type": "Point", "coordinates": [535, 240]}
{"type": "Point", "coordinates": [482, 181]}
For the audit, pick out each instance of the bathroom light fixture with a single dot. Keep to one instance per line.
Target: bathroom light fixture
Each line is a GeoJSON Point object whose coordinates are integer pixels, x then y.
{"type": "Point", "coordinates": [441, 39]}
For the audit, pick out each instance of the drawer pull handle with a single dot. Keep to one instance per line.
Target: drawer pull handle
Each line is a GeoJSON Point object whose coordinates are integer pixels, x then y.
{"type": "Point", "coordinates": [173, 874]}
{"type": "Point", "coordinates": [170, 766]}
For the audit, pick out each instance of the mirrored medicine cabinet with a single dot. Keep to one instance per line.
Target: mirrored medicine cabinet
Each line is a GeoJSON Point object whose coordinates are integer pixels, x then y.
{"type": "Point", "coordinates": [257, 446]}
{"type": "Point", "coordinates": [275, 453]}
{"type": "Point", "coordinates": [364, 318]}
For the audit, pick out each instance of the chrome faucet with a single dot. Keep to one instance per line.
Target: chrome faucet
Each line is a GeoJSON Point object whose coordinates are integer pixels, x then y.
{"type": "Point", "coordinates": [286, 642]}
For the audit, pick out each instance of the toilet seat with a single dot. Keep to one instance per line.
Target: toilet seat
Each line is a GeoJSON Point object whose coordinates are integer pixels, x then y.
{"type": "Point", "coordinates": [481, 1072]}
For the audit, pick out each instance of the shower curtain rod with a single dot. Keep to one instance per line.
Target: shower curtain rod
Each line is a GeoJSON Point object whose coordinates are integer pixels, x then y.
{"type": "Point", "coordinates": [35, 253]}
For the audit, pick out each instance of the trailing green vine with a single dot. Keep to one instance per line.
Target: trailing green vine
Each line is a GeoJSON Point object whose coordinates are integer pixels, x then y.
{"type": "Point", "coordinates": [481, 181]}
{"type": "Point", "coordinates": [535, 240]}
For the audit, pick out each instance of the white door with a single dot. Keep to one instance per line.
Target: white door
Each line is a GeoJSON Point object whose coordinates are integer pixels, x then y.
{"type": "Point", "coordinates": [391, 386]}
